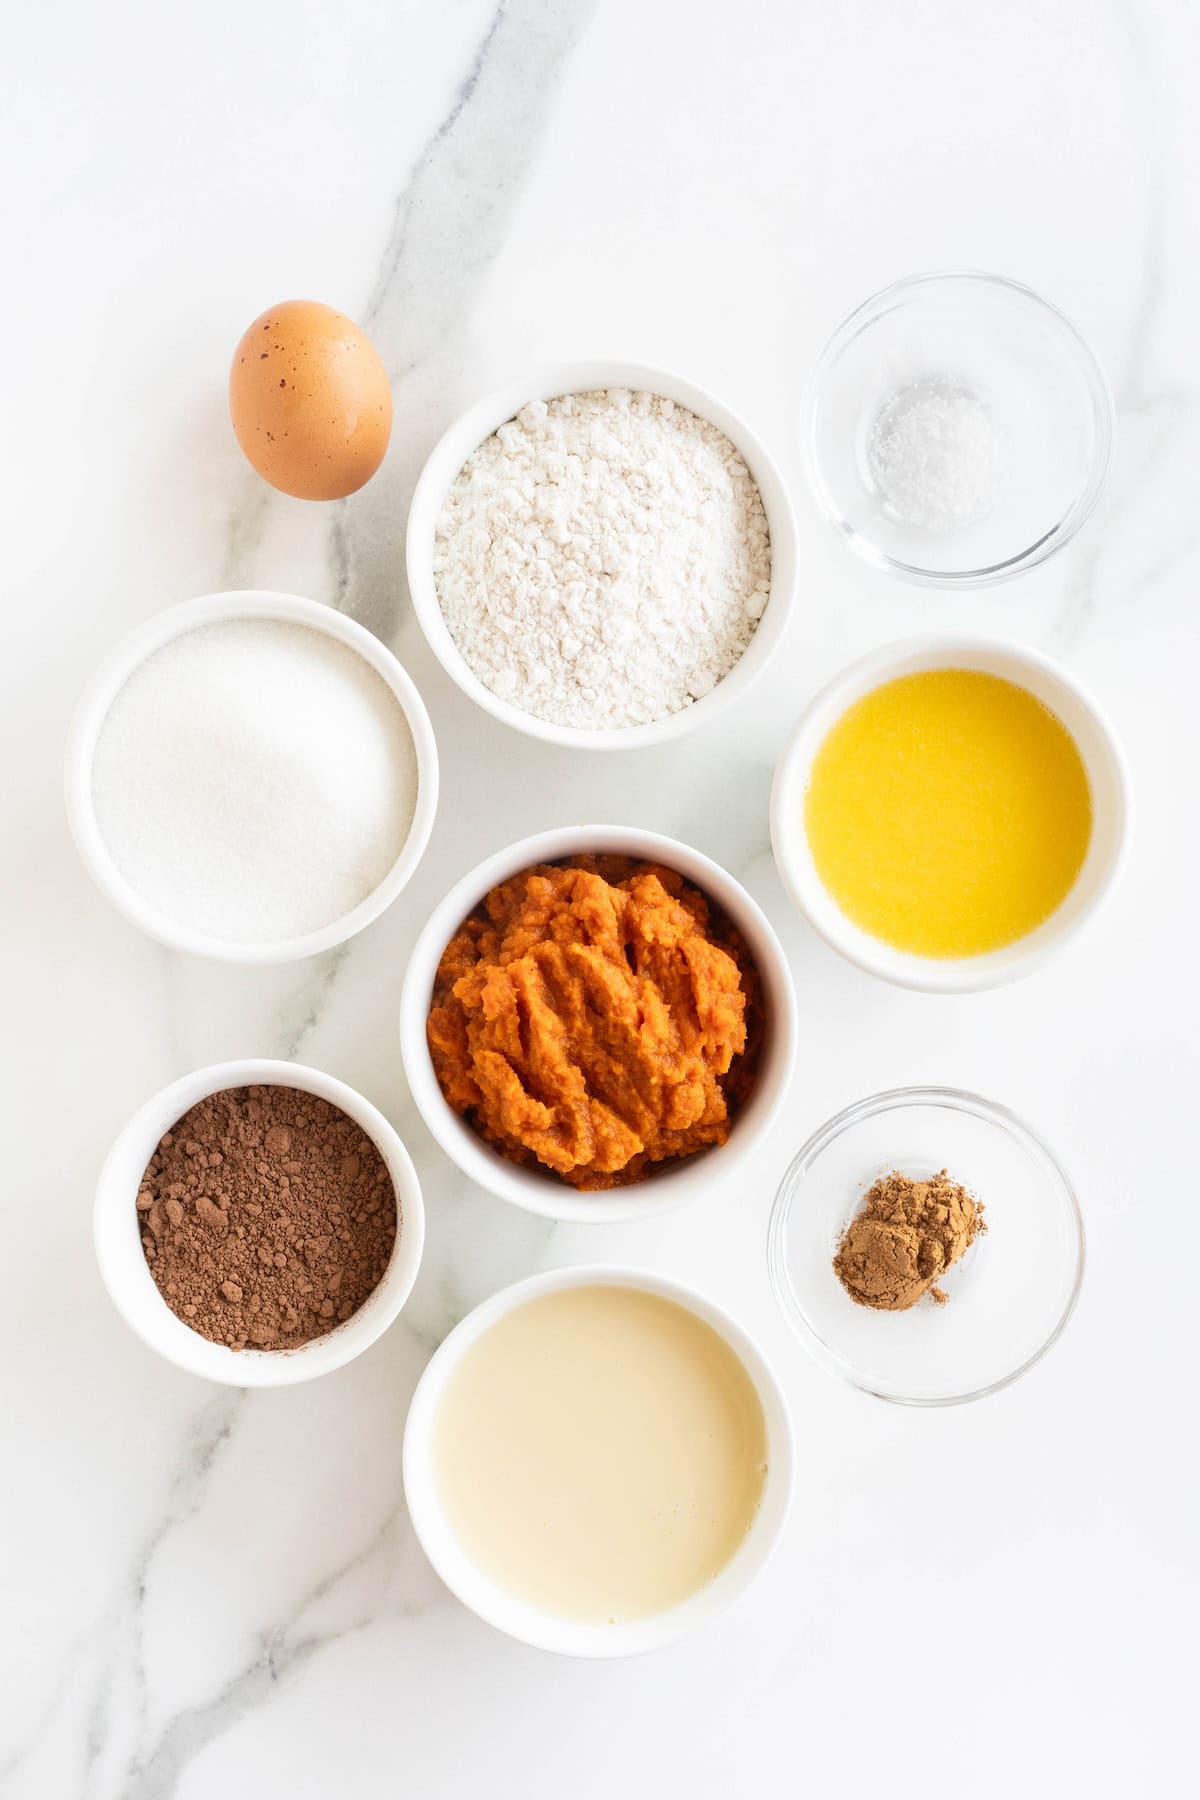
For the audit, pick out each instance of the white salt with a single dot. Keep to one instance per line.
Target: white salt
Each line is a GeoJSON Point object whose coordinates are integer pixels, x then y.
{"type": "Point", "coordinates": [255, 780]}
{"type": "Point", "coordinates": [934, 453]}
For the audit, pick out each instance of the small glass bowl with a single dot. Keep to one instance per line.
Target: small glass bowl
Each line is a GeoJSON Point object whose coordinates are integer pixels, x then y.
{"type": "Point", "coordinates": [1033, 378]}
{"type": "Point", "coordinates": [1009, 1296]}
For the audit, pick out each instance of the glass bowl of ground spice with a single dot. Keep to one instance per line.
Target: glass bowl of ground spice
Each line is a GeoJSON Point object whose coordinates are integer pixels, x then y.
{"type": "Point", "coordinates": [258, 1223]}
{"type": "Point", "coordinates": [926, 1246]}
{"type": "Point", "coordinates": [957, 429]}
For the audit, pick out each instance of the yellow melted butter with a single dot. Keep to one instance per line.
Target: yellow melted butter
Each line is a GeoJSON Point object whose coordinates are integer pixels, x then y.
{"type": "Point", "coordinates": [948, 812]}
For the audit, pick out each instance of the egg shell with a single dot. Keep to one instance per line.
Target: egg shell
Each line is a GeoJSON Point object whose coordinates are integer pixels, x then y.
{"type": "Point", "coordinates": [310, 401]}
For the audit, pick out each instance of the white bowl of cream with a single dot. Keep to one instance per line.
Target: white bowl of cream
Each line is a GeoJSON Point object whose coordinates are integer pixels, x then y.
{"type": "Point", "coordinates": [598, 1460]}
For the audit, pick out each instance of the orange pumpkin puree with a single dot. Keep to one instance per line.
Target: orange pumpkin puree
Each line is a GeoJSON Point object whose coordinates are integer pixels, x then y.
{"type": "Point", "coordinates": [598, 1019]}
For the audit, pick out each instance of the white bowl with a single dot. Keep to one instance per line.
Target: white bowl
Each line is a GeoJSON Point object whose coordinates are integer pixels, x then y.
{"type": "Point", "coordinates": [493, 1603]}
{"type": "Point", "coordinates": [116, 669]}
{"type": "Point", "coordinates": [541, 1191]}
{"type": "Point", "coordinates": [1111, 808]}
{"type": "Point", "coordinates": [126, 1273]}
{"type": "Point", "coordinates": [477, 423]}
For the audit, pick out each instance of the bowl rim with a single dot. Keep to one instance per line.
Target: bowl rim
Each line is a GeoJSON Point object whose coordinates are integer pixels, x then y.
{"type": "Point", "coordinates": [949, 975]}
{"type": "Point", "coordinates": [126, 1275]}
{"type": "Point", "coordinates": [127, 656]}
{"type": "Point", "coordinates": [544, 1194]}
{"type": "Point", "coordinates": [954, 1099]}
{"type": "Point", "coordinates": [1061, 533]}
{"type": "Point", "coordinates": [517, 1618]}
{"type": "Point", "coordinates": [547, 381]}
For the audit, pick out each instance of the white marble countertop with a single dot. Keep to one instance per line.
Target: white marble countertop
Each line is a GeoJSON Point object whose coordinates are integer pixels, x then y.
{"type": "Point", "coordinates": [213, 1593]}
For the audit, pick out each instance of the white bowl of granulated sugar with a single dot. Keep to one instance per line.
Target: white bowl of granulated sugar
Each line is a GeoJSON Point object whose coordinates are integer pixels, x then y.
{"type": "Point", "coordinates": [251, 776]}
{"type": "Point", "coordinates": [602, 555]}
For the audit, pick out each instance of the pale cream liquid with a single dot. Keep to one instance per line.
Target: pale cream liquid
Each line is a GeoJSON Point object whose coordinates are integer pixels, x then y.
{"type": "Point", "coordinates": [600, 1452]}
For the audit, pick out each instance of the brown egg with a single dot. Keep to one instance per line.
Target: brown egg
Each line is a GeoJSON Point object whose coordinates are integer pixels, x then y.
{"type": "Point", "coordinates": [310, 401]}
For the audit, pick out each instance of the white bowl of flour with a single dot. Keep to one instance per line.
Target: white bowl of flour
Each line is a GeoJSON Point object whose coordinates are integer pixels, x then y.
{"type": "Point", "coordinates": [602, 555]}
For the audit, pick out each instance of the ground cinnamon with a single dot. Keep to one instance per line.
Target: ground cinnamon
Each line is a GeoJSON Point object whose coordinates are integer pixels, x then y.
{"type": "Point", "coordinates": [904, 1238]}
{"type": "Point", "coordinates": [267, 1217]}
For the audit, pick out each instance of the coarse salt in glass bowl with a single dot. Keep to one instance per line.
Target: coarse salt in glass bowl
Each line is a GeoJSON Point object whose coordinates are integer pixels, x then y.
{"type": "Point", "coordinates": [957, 429]}
{"type": "Point", "coordinates": [1009, 1296]}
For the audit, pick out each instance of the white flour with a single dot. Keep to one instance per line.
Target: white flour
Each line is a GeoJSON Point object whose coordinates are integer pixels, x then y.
{"type": "Point", "coordinates": [602, 560]}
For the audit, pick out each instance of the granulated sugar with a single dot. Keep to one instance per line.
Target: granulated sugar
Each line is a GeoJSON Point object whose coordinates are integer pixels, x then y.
{"type": "Point", "coordinates": [254, 780]}
{"type": "Point", "coordinates": [602, 560]}
{"type": "Point", "coordinates": [934, 452]}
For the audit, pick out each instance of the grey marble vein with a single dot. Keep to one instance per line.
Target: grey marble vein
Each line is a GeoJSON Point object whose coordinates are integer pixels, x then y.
{"type": "Point", "coordinates": [154, 1772]}
{"type": "Point", "coordinates": [114, 1642]}
{"type": "Point", "coordinates": [393, 255]}
{"type": "Point", "coordinates": [449, 221]}
{"type": "Point", "coordinates": [209, 1436]}
{"type": "Point", "coordinates": [1134, 396]}
{"type": "Point", "coordinates": [1133, 386]}
{"type": "Point", "coordinates": [312, 1000]}
{"type": "Point", "coordinates": [448, 225]}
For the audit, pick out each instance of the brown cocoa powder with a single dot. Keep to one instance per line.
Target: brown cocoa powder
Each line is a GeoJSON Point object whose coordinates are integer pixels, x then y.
{"type": "Point", "coordinates": [267, 1217]}
{"type": "Point", "coordinates": [906, 1235]}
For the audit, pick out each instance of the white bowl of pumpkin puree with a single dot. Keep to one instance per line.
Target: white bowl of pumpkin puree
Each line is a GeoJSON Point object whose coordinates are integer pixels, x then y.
{"type": "Point", "coordinates": [950, 812]}
{"type": "Point", "coordinates": [597, 1461]}
{"type": "Point", "coordinates": [597, 1023]}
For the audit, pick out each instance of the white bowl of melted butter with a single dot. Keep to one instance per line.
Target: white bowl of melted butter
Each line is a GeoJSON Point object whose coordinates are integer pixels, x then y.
{"type": "Point", "coordinates": [598, 1460]}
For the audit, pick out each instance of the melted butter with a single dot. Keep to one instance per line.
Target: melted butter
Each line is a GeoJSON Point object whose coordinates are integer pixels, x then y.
{"type": "Point", "coordinates": [601, 1453]}
{"type": "Point", "coordinates": [948, 812]}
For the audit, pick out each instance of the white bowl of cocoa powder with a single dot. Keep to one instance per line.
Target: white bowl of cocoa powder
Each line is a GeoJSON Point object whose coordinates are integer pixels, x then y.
{"type": "Point", "coordinates": [258, 1223]}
